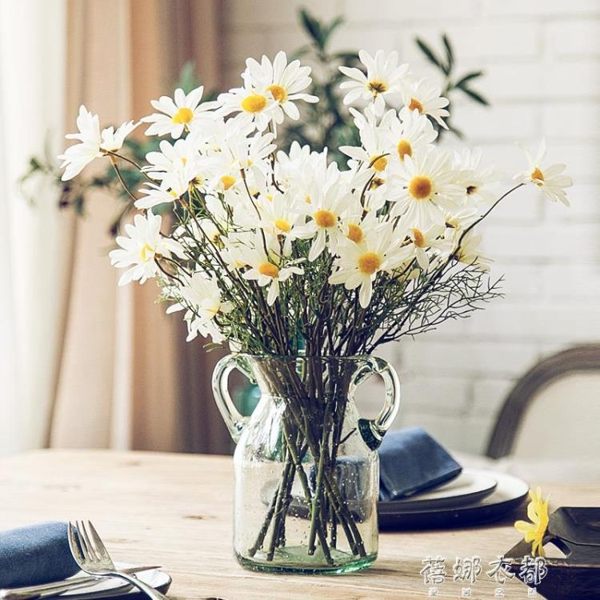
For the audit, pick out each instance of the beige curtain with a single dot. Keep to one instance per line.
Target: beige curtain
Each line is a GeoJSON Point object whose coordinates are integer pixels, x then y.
{"type": "Point", "coordinates": [35, 240]}
{"type": "Point", "coordinates": [127, 377]}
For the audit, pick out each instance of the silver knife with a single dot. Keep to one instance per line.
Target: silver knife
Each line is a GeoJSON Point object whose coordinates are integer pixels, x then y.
{"type": "Point", "coordinates": [59, 587]}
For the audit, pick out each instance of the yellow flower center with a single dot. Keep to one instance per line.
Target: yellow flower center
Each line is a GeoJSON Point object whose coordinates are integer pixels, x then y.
{"type": "Point", "coordinates": [324, 218]}
{"type": "Point", "coordinates": [183, 116]}
{"type": "Point", "coordinates": [278, 92]}
{"type": "Point", "coordinates": [146, 252]}
{"type": "Point", "coordinates": [268, 269]}
{"type": "Point", "coordinates": [377, 87]}
{"type": "Point", "coordinates": [379, 163]}
{"type": "Point", "coordinates": [283, 225]}
{"type": "Point", "coordinates": [308, 199]}
{"type": "Point", "coordinates": [254, 103]}
{"type": "Point", "coordinates": [227, 181]}
{"type": "Point", "coordinates": [369, 263]}
{"type": "Point", "coordinates": [418, 238]}
{"type": "Point", "coordinates": [420, 187]}
{"type": "Point", "coordinates": [414, 104]}
{"type": "Point", "coordinates": [404, 149]}
{"type": "Point", "coordinates": [537, 177]}
{"type": "Point", "coordinates": [355, 233]}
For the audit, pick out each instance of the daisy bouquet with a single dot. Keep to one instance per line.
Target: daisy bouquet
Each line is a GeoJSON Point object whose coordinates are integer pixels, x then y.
{"type": "Point", "coordinates": [282, 254]}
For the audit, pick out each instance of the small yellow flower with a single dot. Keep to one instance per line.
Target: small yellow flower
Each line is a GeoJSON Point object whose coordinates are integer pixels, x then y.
{"type": "Point", "coordinates": [534, 532]}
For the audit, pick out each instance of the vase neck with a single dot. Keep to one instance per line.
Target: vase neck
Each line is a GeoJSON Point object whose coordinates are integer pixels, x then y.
{"type": "Point", "coordinates": [307, 380]}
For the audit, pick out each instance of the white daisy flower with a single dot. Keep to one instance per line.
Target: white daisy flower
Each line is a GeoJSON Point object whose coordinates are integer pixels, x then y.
{"type": "Point", "coordinates": [426, 98]}
{"type": "Point", "coordinates": [548, 178]}
{"type": "Point", "coordinates": [358, 265]}
{"type": "Point", "coordinates": [252, 152]}
{"type": "Point", "coordinates": [139, 249]}
{"type": "Point", "coordinates": [238, 149]}
{"type": "Point", "coordinates": [374, 151]}
{"type": "Point", "coordinates": [171, 188]}
{"type": "Point", "coordinates": [325, 205]}
{"type": "Point", "coordinates": [410, 133]}
{"type": "Point", "coordinates": [181, 113]}
{"type": "Point", "coordinates": [283, 81]}
{"type": "Point", "coordinates": [227, 181]}
{"type": "Point", "coordinates": [423, 240]}
{"type": "Point", "coordinates": [469, 252]}
{"type": "Point", "coordinates": [474, 178]}
{"type": "Point", "coordinates": [180, 161]}
{"type": "Point", "coordinates": [427, 189]}
{"type": "Point", "coordinates": [170, 158]}
{"type": "Point", "coordinates": [356, 224]}
{"type": "Point", "coordinates": [250, 106]}
{"type": "Point", "coordinates": [201, 298]}
{"type": "Point", "coordinates": [267, 270]}
{"type": "Point", "coordinates": [299, 170]}
{"type": "Point", "coordinates": [462, 218]}
{"type": "Point", "coordinates": [92, 143]}
{"type": "Point", "coordinates": [382, 83]}
{"type": "Point", "coordinates": [280, 220]}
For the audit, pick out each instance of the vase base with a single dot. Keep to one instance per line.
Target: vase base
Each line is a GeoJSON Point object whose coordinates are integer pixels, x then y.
{"type": "Point", "coordinates": [297, 560]}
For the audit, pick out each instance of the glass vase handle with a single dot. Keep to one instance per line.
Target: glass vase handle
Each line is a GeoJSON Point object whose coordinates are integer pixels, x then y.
{"type": "Point", "coordinates": [234, 421]}
{"type": "Point", "coordinates": [373, 430]}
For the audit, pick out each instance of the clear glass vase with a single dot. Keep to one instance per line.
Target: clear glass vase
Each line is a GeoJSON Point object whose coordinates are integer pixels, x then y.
{"type": "Point", "coordinates": [306, 469]}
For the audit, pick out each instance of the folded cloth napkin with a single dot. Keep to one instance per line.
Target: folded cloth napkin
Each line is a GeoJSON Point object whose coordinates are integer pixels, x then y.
{"type": "Point", "coordinates": [36, 554]}
{"type": "Point", "coordinates": [412, 461]}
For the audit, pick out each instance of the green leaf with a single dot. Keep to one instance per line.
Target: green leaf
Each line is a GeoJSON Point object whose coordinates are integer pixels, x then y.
{"type": "Point", "coordinates": [474, 95]}
{"type": "Point", "coordinates": [312, 27]}
{"type": "Point", "coordinates": [467, 78]}
{"type": "Point", "coordinates": [331, 28]}
{"type": "Point", "coordinates": [346, 57]}
{"type": "Point", "coordinates": [428, 52]}
{"type": "Point", "coordinates": [449, 52]}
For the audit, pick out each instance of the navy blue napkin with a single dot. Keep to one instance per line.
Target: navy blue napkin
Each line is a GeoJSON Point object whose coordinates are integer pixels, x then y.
{"type": "Point", "coordinates": [36, 554]}
{"type": "Point", "coordinates": [411, 461]}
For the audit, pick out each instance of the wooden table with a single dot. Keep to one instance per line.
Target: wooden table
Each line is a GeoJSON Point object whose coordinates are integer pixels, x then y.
{"type": "Point", "coordinates": [175, 510]}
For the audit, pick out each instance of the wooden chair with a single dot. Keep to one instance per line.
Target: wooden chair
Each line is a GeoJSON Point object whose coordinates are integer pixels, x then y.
{"type": "Point", "coordinates": [553, 411]}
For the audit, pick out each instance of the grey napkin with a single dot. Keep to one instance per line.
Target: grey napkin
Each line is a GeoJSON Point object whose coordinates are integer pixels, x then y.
{"type": "Point", "coordinates": [36, 554]}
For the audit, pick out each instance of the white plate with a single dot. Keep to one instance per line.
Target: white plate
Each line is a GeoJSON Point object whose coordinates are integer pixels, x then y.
{"type": "Point", "coordinates": [108, 588]}
{"type": "Point", "coordinates": [470, 486]}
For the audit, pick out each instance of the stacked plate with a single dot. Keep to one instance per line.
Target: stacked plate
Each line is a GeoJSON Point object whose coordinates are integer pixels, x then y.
{"type": "Point", "coordinates": [474, 497]}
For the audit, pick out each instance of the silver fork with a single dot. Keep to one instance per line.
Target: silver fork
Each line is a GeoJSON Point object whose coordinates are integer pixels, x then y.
{"type": "Point", "coordinates": [92, 557]}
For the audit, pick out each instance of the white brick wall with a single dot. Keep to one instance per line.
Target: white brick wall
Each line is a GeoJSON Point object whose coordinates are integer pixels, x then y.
{"type": "Point", "coordinates": [542, 63]}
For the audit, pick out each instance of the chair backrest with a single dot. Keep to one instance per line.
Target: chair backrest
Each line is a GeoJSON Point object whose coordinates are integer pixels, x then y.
{"type": "Point", "coordinates": [553, 411]}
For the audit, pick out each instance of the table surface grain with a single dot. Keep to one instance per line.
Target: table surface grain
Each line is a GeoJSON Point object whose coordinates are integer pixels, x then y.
{"type": "Point", "coordinates": [176, 510]}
